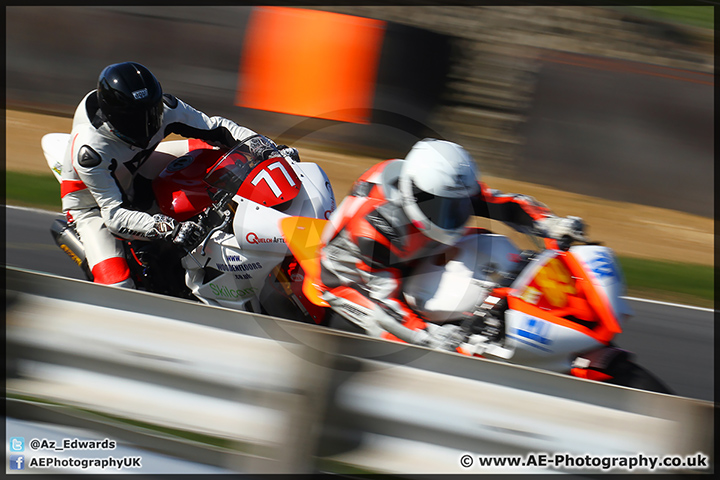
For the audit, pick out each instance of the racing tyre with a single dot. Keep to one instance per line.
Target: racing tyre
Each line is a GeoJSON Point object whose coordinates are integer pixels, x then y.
{"type": "Point", "coordinates": [629, 374]}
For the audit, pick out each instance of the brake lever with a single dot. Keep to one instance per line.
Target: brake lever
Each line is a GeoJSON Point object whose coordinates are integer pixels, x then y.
{"type": "Point", "coordinates": [226, 219]}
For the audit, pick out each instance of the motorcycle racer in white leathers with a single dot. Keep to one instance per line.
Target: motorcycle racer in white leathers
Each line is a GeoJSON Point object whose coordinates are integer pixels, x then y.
{"type": "Point", "coordinates": [111, 159]}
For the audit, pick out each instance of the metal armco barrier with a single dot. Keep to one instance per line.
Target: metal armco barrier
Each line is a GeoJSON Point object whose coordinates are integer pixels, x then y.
{"type": "Point", "coordinates": [256, 394]}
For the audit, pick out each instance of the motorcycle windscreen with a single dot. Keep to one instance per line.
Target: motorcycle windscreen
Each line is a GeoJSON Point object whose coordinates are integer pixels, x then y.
{"type": "Point", "coordinates": [229, 173]}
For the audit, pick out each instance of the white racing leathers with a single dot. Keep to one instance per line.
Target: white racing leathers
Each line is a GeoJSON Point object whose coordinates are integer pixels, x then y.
{"type": "Point", "coordinates": [106, 182]}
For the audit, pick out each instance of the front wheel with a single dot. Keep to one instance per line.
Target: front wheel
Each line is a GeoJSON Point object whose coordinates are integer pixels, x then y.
{"type": "Point", "coordinates": [156, 267]}
{"type": "Point", "coordinates": [629, 374]}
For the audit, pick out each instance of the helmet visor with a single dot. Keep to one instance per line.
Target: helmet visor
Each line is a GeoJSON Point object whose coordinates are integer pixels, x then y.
{"type": "Point", "coordinates": [446, 213]}
{"type": "Point", "coordinates": [137, 126]}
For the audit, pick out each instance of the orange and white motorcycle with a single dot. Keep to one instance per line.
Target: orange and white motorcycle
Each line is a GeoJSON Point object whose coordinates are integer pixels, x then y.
{"type": "Point", "coordinates": [558, 308]}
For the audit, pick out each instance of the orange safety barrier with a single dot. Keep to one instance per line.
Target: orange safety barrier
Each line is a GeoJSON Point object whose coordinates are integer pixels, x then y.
{"type": "Point", "coordinates": [310, 63]}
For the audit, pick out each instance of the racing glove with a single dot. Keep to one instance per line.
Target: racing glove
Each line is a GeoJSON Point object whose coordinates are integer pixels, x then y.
{"type": "Point", "coordinates": [289, 152]}
{"type": "Point", "coordinates": [560, 227]}
{"type": "Point", "coordinates": [163, 227]}
{"type": "Point", "coordinates": [189, 235]}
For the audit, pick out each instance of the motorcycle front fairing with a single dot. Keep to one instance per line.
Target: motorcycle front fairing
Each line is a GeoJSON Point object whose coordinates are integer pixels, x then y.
{"type": "Point", "coordinates": [233, 268]}
{"type": "Point", "coordinates": [225, 275]}
{"type": "Point", "coordinates": [560, 303]}
{"type": "Point", "coordinates": [560, 307]}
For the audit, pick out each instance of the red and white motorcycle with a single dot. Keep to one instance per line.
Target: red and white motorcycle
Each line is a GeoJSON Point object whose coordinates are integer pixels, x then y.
{"type": "Point", "coordinates": [558, 308]}
{"type": "Point", "coordinates": [239, 196]}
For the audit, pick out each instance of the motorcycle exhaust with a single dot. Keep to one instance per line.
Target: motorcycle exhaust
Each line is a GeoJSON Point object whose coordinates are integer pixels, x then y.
{"type": "Point", "coordinates": [67, 239]}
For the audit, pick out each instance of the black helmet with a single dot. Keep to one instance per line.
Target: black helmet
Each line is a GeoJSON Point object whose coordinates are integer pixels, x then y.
{"type": "Point", "coordinates": [130, 97]}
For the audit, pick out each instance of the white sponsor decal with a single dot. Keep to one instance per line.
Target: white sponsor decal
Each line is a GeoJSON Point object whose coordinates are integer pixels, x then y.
{"type": "Point", "coordinates": [140, 94]}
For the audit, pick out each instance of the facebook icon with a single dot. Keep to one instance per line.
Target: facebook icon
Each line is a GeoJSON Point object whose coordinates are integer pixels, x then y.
{"type": "Point", "coordinates": [17, 462]}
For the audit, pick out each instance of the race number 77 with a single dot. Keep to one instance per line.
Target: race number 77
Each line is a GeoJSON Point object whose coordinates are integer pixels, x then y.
{"type": "Point", "coordinates": [265, 175]}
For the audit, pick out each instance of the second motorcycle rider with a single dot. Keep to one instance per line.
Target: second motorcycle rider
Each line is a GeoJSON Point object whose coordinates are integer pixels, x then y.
{"type": "Point", "coordinates": [400, 211]}
{"type": "Point", "coordinates": [111, 159]}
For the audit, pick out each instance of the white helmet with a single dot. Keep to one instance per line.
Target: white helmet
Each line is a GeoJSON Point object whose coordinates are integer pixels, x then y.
{"type": "Point", "coordinates": [437, 180]}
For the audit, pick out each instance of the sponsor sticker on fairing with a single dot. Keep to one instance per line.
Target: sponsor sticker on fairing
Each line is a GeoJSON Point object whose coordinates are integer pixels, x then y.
{"type": "Point", "coordinates": [222, 291]}
{"type": "Point", "coordinates": [254, 239]}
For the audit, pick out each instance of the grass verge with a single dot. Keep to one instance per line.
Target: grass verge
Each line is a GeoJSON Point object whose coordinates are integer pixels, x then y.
{"type": "Point", "coordinates": [657, 280]}
{"type": "Point", "coordinates": [670, 281]}
{"type": "Point", "coordinates": [32, 190]}
{"type": "Point", "coordinates": [702, 16]}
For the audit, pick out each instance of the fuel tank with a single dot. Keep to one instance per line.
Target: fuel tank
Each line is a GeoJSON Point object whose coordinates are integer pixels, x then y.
{"type": "Point", "coordinates": [179, 190]}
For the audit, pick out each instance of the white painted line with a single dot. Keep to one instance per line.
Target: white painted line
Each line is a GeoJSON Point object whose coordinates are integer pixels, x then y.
{"type": "Point", "coordinates": [692, 307]}
{"type": "Point", "coordinates": [31, 209]}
